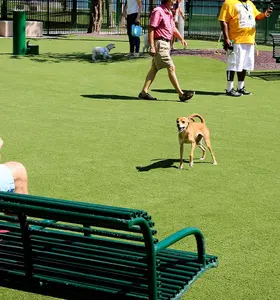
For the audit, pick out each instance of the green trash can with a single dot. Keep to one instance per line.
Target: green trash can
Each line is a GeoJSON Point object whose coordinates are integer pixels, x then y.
{"type": "Point", "coordinates": [19, 35]}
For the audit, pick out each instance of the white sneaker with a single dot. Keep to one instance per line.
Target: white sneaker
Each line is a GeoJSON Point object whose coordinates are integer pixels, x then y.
{"type": "Point", "coordinates": [136, 54]}
{"type": "Point", "coordinates": [129, 54]}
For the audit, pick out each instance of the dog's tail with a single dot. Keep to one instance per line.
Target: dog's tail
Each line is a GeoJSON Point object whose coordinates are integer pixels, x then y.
{"type": "Point", "coordinates": [192, 116]}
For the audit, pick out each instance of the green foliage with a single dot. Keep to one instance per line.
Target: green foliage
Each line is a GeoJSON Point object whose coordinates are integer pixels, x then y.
{"type": "Point", "coordinates": [82, 135]}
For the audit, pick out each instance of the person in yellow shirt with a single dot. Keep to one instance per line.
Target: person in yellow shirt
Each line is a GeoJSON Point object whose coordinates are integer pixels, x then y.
{"type": "Point", "coordinates": [238, 22]}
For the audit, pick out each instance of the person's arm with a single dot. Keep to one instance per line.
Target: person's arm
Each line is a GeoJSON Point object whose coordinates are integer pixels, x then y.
{"type": "Point", "coordinates": [177, 34]}
{"type": "Point", "coordinates": [225, 17]}
{"type": "Point", "coordinates": [181, 13]}
{"type": "Point", "coordinates": [264, 15]}
{"type": "Point", "coordinates": [227, 41]}
{"type": "Point", "coordinates": [151, 34]}
{"type": "Point", "coordinates": [155, 20]}
{"type": "Point", "coordinates": [139, 3]}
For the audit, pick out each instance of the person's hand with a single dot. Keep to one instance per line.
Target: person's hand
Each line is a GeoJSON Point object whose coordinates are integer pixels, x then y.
{"type": "Point", "coordinates": [184, 43]}
{"type": "Point", "coordinates": [269, 11]}
{"type": "Point", "coordinates": [152, 50]}
{"type": "Point", "coordinates": [227, 44]}
{"type": "Point", "coordinates": [137, 21]}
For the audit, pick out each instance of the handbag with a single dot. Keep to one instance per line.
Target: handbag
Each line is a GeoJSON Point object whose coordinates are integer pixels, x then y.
{"type": "Point", "coordinates": [136, 30]}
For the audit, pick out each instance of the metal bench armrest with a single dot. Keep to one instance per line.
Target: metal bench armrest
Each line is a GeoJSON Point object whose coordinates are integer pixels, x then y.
{"type": "Point", "coordinates": [177, 236]}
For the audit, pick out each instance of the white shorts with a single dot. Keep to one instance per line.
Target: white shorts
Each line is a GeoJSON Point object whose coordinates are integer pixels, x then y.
{"type": "Point", "coordinates": [7, 183]}
{"type": "Point", "coordinates": [241, 58]}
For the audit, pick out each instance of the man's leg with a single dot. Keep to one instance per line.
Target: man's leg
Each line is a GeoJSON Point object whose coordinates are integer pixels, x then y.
{"type": "Point", "coordinates": [248, 53]}
{"type": "Point", "coordinates": [173, 79]}
{"type": "Point", "coordinates": [234, 58]}
{"type": "Point", "coordinates": [241, 77]}
{"type": "Point", "coordinates": [130, 37]}
{"type": "Point", "coordinates": [20, 176]}
{"type": "Point", "coordinates": [148, 81]}
{"type": "Point", "coordinates": [137, 45]}
{"type": "Point", "coordinates": [230, 80]}
{"type": "Point", "coordinates": [241, 87]}
{"type": "Point", "coordinates": [183, 96]}
{"type": "Point", "coordinates": [230, 85]}
{"type": "Point", "coordinates": [136, 39]}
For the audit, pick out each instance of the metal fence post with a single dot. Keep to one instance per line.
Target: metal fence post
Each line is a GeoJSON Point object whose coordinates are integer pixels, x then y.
{"type": "Point", "coordinates": [19, 35]}
{"type": "Point", "coordinates": [118, 12]}
{"type": "Point", "coordinates": [4, 10]}
{"type": "Point", "coordinates": [48, 17]}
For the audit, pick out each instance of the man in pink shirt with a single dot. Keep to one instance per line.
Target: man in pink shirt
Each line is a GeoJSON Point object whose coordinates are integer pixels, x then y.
{"type": "Point", "coordinates": [161, 31]}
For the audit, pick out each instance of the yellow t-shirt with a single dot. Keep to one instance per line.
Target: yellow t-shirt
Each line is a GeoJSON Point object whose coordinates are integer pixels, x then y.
{"type": "Point", "coordinates": [241, 19]}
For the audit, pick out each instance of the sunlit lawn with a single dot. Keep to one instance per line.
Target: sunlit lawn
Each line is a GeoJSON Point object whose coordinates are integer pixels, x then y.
{"type": "Point", "coordinates": [79, 130]}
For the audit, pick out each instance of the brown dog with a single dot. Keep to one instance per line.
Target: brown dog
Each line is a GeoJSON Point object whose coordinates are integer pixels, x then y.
{"type": "Point", "coordinates": [192, 133]}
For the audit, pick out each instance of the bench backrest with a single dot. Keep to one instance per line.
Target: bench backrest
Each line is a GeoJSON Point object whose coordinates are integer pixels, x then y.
{"type": "Point", "coordinates": [276, 44]}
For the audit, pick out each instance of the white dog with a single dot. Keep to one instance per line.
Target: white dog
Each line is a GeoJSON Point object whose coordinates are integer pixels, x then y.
{"type": "Point", "coordinates": [146, 46]}
{"type": "Point", "coordinates": [102, 51]}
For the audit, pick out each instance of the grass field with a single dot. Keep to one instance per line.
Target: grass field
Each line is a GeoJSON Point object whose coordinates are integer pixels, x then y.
{"type": "Point", "coordinates": [82, 135]}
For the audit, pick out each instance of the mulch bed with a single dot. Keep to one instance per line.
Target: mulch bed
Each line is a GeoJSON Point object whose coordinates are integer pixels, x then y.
{"type": "Point", "coordinates": [263, 61]}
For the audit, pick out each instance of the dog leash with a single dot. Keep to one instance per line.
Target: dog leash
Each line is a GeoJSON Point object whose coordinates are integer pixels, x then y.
{"type": "Point", "coordinates": [217, 45]}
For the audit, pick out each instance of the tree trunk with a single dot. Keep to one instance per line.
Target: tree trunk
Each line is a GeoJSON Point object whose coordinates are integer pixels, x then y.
{"type": "Point", "coordinates": [124, 14]}
{"type": "Point", "coordinates": [109, 10]}
{"type": "Point", "coordinates": [95, 20]}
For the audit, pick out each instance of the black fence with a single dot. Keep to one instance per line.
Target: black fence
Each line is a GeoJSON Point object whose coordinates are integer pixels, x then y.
{"type": "Point", "coordinates": [73, 16]}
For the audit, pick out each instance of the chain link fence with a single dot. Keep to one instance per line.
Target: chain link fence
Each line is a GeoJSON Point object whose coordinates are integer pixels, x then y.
{"type": "Point", "coordinates": [73, 16]}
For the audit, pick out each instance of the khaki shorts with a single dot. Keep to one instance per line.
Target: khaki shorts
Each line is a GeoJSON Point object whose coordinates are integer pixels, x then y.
{"type": "Point", "coordinates": [162, 57]}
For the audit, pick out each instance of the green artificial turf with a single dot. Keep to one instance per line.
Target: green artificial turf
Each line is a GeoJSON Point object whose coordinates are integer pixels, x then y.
{"type": "Point", "coordinates": [82, 135]}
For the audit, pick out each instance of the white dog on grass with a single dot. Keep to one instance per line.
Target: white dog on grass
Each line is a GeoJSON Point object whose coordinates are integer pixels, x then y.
{"type": "Point", "coordinates": [102, 51]}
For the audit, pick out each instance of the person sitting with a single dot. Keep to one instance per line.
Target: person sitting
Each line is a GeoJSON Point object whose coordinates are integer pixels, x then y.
{"type": "Point", "coordinates": [13, 176]}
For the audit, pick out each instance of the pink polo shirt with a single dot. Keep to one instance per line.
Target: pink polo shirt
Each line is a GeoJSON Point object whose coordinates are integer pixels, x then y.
{"type": "Point", "coordinates": [162, 22]}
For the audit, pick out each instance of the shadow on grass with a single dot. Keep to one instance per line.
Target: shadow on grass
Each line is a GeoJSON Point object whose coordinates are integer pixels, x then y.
{"type": "Point", "coordinates": [267, 76]}
{"type": "Point", "coordinates": [77, 57]}
{"type": "Point", "coordinates": [172, 91]}
{"type": "Point", "coordinates": [159, 164]}
{"type": "Point", "coordinates": [110, 97]}
{"type": "Point", "coordinates": [166, 163]}
{"type": "Point", "coordinates": [123, 97]}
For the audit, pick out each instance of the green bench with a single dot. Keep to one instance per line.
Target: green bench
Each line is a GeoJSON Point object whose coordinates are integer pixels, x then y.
{"type": "Point", "coordinates": [276, 46]}
{"type": "Point", "coordinates": [76, 250]}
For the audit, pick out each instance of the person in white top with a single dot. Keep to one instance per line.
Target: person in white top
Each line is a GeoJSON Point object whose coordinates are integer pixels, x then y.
{"type": "Point", "coordinates": [134, 8]}
{"type": "Point", "coordinates": [13, 176]}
